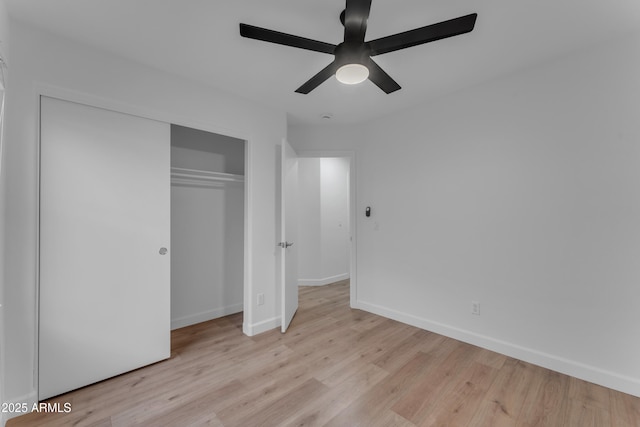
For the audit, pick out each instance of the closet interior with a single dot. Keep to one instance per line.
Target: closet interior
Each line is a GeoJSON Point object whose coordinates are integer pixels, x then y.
{"type": "Point", "coordinates": [207, 225]}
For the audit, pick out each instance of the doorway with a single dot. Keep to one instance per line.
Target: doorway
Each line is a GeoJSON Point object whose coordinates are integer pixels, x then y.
{"type": "Point", "coordinates": [326, 219]}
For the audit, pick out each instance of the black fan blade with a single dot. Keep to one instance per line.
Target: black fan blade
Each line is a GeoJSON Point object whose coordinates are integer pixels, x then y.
{"type": "Point", "coordinates": [442, 30]}
{"type": "Point", "coordinates": [318, 79]}
{"type": "Point", "coordinates": [381, 79]}
{"type": "Point", "coordinates": [356, 15]}
{"type": "Point", "coordinates": [277, 37]}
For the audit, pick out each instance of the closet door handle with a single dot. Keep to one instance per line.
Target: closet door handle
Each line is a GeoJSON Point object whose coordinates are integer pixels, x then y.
{"type": "Point", "coordinates": [163, 251]}
{"type": "Point", "coordinates": [285, 245]}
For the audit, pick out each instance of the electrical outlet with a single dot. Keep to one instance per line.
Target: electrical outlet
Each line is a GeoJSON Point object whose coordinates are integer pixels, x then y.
{"type": "Point", "coordinates": [475, 308]}
{"type": "Point", "coordinates": [260, 299]}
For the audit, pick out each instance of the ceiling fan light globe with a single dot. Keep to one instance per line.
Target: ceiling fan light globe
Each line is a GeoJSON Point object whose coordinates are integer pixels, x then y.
{"type": "Point", "coordinates": [352, 74]}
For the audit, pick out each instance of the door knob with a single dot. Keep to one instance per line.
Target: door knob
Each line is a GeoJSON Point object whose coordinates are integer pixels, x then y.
{"type": "Point", "coordinates": [285, 245]}
{"type": "Point", "coordinates": [163, 251]}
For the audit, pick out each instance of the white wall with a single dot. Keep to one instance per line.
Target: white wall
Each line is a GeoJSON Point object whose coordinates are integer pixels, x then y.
{"type": "Point", "coordinates": [197, 149]}
{"type": "Point", "coordinates": [207, 229]}
{"type": "Point", "coordinates": [207, 252]}
{"type": "Point", "coordinates": [334, 203]}
{"type": "Point", "coordinates": [522, 194]}
{"type": "Point", "coordinates": [38, 60]}
{"type": "Point", "coordinates": [323, 220]}
{"type": "Point", "coordinates": [4, 49]}
{"type": "Point", "coordinates": [309, 228]}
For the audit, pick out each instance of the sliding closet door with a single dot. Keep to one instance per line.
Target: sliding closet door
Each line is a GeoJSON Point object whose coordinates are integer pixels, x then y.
{"type": "Point", "coordinates": [104, 239]}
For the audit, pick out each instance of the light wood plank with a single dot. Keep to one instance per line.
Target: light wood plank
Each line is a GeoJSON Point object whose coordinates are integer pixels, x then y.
{"type": "Point", "coordinates": [369, 406]}
{"type": "Point", "coordinates": [581, 414]}
{"type": "Point", "coordinates": [503, 401]}
{"type": "Point", "coordinates": [285, 407]}
{"type": "Point", "coordinates": [339, 397]}
{"type": "Point", "coordinates": [625, 410]}
{"type": "Point", "coordinates": [439, 381]}
{"type": "Point", "coordinates": [547, 402]}
{"type": "Point", "coordinates": [460, 406]}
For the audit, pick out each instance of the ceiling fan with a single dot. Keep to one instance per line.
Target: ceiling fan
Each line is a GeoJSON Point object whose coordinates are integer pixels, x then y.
{"type": "Point", "coordinates": [353, 63]}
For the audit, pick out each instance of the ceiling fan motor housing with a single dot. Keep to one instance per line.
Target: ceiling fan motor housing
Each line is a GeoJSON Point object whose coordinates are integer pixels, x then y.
{"type": "Point", "coordinates": [352, 53]}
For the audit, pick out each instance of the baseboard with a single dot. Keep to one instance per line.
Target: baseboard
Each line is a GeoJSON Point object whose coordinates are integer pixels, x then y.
{"type": "Point", "coordinates": [192, 319]}
{"type": "Point", "coordinates": [324, 281]}
{"type": "Point", "coordinates": [27, 400]}
{"type": "Point", "coordinates": [260, 327]}
{"type": "Point", "coordinates": [588, 373]}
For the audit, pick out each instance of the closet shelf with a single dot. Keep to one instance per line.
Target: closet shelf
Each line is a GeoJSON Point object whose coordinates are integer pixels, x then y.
{"type": "Point", "coordinates": [201, 177]}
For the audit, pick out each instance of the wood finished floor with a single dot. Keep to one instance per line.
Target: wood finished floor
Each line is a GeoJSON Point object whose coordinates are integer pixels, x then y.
{"type": "Point", "coordinates": [337, 367]}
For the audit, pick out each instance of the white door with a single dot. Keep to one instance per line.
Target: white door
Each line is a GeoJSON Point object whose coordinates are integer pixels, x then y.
{"type": "Point", "coordinates": [289, 225]}
{"type": "Point", "coordinates": [104, 237]}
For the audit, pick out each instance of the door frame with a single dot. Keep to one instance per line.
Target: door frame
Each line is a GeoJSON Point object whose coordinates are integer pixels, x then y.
{"type": "Point", "coordinates": [2, 244]}
{"type": "Point", "coordinates": [46, 90]}
{"type": "Point", "coordinates": [288, 257]}
{"type": "Point", "coordinates": [351, 155]}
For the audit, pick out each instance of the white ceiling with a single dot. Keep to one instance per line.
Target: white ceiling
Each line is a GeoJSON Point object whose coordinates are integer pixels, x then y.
{"type": "Point", "coordinates": [199, 39]}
